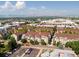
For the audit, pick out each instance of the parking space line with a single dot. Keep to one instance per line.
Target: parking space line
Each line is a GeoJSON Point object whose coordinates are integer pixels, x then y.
{"type": "Point", "coordinates": [24, 53]}
{"type": "Point", "coordinates": [39, 52]}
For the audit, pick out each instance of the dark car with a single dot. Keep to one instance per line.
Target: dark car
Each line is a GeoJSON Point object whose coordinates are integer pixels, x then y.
{"type": "Point", "coordinates": [29, 51]}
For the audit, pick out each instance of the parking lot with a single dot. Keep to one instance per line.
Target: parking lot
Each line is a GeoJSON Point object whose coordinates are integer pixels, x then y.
{"type": "Point", "coordinates": [19, 52]}
{"type": "Point", "coordinates": [33, 53]}
{"type": "Point", "coordinates": [23, 52]}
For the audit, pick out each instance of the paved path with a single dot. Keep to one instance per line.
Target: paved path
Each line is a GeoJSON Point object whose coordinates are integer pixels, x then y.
{"type": "Point", "coordinates": [40, 47]}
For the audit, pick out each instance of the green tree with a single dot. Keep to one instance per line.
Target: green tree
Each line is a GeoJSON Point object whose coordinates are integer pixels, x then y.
{"type": "Point", "coordinates": [2, 45]}
{"type": "Point", "coordinates": [12, 43]}
{"type": "Point", "coordinates": [55, 29]}
{"type": "Point", "coordinates": [65, 32]}
{"type": "Point", "coordinates": [36, 42]}
{"type": "Point", "coordinates": [24, 41]}
{"type": "Point", "coordinates": [67, 45]}
{"type": "Point", "coordinates": [4, 49]}
{"type": "Point", "coordinates": [7, 36]}
{"type": "Point", "coordinates": [43, 42]}
{"type": "Point", "coordinates": [70, 32]}
{"type": "Point", "coordinates": [74, 45]}
{"type": "Point", "coordinates": [2, 52]}
{"type": "Point", "coordinates": [32, 42]}
{"type": "Point", "coordinates": [58, 43]}
{"type": "Point", "coordinates": [60, 46]}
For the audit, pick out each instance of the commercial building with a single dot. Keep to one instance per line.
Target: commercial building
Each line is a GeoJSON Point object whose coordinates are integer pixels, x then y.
{"type": "Point", "coordinates": [60, 23]}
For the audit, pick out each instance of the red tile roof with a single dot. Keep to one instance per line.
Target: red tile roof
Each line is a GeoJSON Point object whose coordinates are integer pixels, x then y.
{"type": "Point", "coordinates": [37, 34]}
{"type": "Point", "coordinates": [68, 36]}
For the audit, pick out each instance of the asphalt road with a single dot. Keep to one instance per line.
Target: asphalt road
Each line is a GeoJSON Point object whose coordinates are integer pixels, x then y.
{"type": "Point", "coordinates": [33, 53]}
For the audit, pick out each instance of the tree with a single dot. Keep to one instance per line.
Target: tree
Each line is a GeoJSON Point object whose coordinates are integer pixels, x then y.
{"type": "Point", "coordinates": [74, 45]}
{"type": "Point", "coordinates": [9, 45]}
{"type": "Point", "coordinates": [2, 45]}
{"type": "Point", "coordinates": [60, 46]}
{"type": "Point", "coordinates": [12, 43]}
{"type": "Point", "coordinates": [43, 42]}
{"type": "Point", "coordinates": [24, 41]}
{"type": "Point", "coordinates": [70, 32]}
{"type": "Point", "coordinates": [6, 36]}
{"type": "Point", "coordinates": [4, 49]}
{"type": "Point", "coordinates": [65, 32]}
{"type": "Point", "coordinates": [50, 40]}
{"type": "Point", "coordinates": [68, 44]}
{"type": "Point", "coordinates": [2, 52]}
{"type": "Point", "coordinates": [54, 42]}
{"type": "Point", "coordinates": [76, 50]}
{"type": "Point", "coordinates": [19, 37]}
{"type": "Point", "coordinates": [36, 42]}
{"type": "Point", "coordinates": [32, 42]}
{"type": "Point", "coordinates": [55, 29]}
{"type": "Point", "coordinates": [58, 43]}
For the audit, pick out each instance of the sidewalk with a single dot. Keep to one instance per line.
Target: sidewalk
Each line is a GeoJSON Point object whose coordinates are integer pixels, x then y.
{"type": "Point", "coordinates": [40, 47]}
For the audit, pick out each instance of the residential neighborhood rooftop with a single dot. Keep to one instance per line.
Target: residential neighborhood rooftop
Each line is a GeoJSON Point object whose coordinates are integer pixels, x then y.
{"type": "Point", "coordinates": [37, 34]}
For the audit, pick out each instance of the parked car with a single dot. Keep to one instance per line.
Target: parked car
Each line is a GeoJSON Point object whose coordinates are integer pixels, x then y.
{"type": "Point", "coordinates": [29, 51]}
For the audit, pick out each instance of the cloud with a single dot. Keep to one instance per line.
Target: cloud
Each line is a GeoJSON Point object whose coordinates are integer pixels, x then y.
{"type": "Point", "coordinates": [7, 5]}
{"type": "Point", "coordinates": [9, 9]}
{"type": "Point", "coordinates": [20, 5]}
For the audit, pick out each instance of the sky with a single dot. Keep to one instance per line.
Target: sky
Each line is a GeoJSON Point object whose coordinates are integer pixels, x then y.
{"type": "Point", "coordinates": [39, 8]}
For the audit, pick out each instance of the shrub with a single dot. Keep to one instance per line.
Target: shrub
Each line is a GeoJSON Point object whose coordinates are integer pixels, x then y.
{"type": "Point", "coordinates": [24, 41]}
{"type": "Point", "coordinates": [43, 42]}
{"type": "Point", "coordinates": [58, 43]}
{"type": "Point", "coordinates": [74, 45]}
{"type": "Point", "coordinates": [36, 42]}
{"type": "Point", "coordinates": [54, 42]}
{"type": "Point", "coordinates": [32, 42]}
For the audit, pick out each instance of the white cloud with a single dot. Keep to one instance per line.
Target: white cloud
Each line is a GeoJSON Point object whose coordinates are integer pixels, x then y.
{"type": "Point", "coordinates": [7, 5]}
{"type": "Point", "coordinates": [20, 5]}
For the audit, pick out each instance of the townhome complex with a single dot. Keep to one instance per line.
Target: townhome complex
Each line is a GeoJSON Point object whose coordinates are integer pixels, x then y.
{"type": "Point", "coordinates": [37, 36]}
{"type": "Point", "coordinates": [65, 35]}
{"type": "Point", "coordinates": [48, 34]}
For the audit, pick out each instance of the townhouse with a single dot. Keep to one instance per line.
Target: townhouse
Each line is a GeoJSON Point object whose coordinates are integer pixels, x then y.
{"type": "Point", "coordinates": [63, 37]}
{"type": "Point", "coordinates": [37, 36]}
